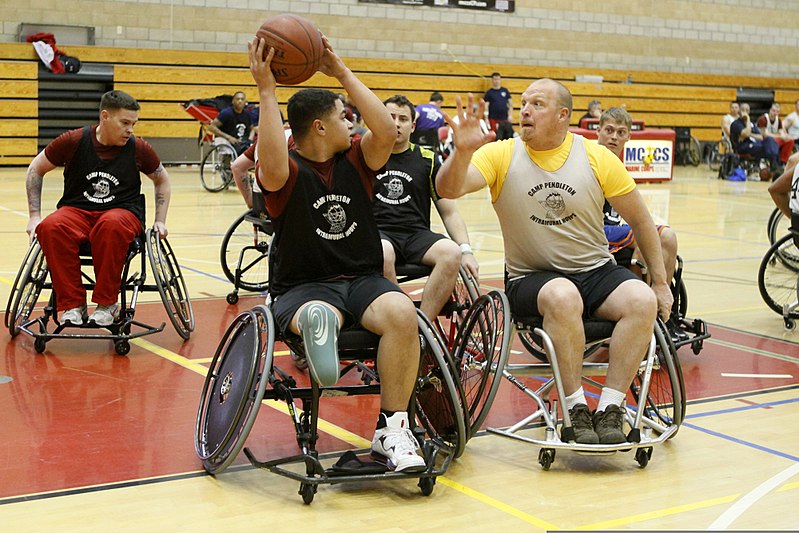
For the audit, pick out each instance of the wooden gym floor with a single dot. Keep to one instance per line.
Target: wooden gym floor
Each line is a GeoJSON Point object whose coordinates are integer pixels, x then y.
{"type": "Point", "coordinates": [93, 441]}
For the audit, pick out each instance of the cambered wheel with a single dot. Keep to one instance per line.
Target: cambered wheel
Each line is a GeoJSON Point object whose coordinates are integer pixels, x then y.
{"type": "Point", "coordinates": [170, 283]}
{"type": "Point", "coordinates": [481, 352]}
{"type": "Point", "coordinates": [234, 387]}
{"type": "Point", "coordinates": [26, 289]}
{"type": "Point", "coordinates": [777, 226]}
{"type": "Point", "coordinates": [438, 405]}
{"type": "Point", "coordinates": [464, 295]}
{"type": "Point", "coordinates": [245, 250]}
{"type": "Point", "coordinates": [778, 276]}
{"type": "Point", "coordinates": [215, 172]}
{"type": "Point", "coordinates": [426, 484]}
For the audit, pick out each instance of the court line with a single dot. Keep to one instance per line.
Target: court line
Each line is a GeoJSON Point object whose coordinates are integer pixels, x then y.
{"type": "Point", "coordinates": [350, 438]}
{"type": "Point", "coordinates": [753, 350]}
{"type": "Point", "coordinates": [742, 505]}
{"type": "Point", "coordinates": [756, 376]}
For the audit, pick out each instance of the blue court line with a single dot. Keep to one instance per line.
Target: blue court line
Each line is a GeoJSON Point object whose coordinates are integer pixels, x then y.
{"type": "Point", "coordinates": [206, 274]}
{"type": "Point", "coordinates": [743, 408]}
{"type": "Point", "coordinates": [743, 442]}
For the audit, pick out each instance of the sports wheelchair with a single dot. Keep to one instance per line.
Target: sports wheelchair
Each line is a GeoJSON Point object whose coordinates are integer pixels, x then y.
{"type": "Point", "coordinates": [777, 225]}
{"type": "Point", "coordinates": [216, 154]}
{"type": "Point", "coordinates": [244, 373]}
{"type": "Point", "coordinates": [244, 253]}
{"type": "Point", "coordinates": [778, 278]}
{"type": "Point", "coordinates": [655, 402]}
{"type": "Point", "coordinates": [33, 278]}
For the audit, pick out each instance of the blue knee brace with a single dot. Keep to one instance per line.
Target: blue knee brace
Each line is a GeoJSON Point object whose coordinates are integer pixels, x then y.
{"type": "Point", "coordinates": [319, 328]}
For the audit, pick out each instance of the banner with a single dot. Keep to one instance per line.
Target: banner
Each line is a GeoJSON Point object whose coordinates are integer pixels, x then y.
{"type": "Point", "coordinates": [506, 6]}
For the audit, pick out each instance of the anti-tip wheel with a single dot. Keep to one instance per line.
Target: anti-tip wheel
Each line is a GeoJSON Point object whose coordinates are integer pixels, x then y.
{"type": "Point", "coordinates": [39, 345]}
{"type": "Point", "coordinates": [122, 347]}
{"type": "Point", "coordinates": [790, 324]}
{"type": "Point", "coordinates": [426, 484]}
{"type": "Point", "coordinates": [232, 298]}
{"type": "Point", "coordinates": [307, 491]}
{"type": "Point", "coordinates": [642, 455]}
{"type": "Point", "coordinates": [546, 457]}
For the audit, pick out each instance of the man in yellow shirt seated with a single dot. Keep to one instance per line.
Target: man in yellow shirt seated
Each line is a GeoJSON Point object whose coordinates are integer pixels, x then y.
{"type": "Point", "coordinates": [548, 187]}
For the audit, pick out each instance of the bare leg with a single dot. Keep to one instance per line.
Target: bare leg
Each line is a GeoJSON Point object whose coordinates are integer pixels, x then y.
{"type": "Point", "coordinates": [389, 258]}
{"type": "Point", "coordinates": [445, 258]}
{"type": "Point", "coordinates": [561, 306]}
{"type": "Point", "coordinates": [393, 316]}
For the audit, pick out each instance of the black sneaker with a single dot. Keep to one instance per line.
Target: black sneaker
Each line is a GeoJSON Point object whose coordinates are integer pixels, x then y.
{"type": "Point", "coordinates": [299, 360]}
{"type": "Point", "coordinates": [582, 425]}
{"type": "Point", "coordinates": [609, 424]}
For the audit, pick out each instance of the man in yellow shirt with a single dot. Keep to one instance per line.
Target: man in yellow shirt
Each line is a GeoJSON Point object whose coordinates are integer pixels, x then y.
{"type": "Point", "coordinates": [548, 187]}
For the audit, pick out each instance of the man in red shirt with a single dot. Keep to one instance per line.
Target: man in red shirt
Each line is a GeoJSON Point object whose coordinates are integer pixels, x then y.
{"type": "Point", "coordinates": [101, 205]}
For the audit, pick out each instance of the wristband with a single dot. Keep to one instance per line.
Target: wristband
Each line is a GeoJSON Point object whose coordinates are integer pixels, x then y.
{"type": "Point", "coordinates": [466, 248]}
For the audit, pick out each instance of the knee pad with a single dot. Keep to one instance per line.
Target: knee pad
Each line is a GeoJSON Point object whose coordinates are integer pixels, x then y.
{"type": "Point", "coordinates": [319, 328]}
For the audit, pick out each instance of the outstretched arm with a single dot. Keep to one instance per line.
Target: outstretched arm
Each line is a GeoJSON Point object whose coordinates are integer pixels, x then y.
{"type": "Point", "coordinates": [457, 175]}
{"type": "Point", "coordinates": [163, 192]}
{"type": "Point", "coordinates": [33, 187]}
{"type": "Point", "coordinates": [239, 168]}
{"type": "Point", "coordinates": [214, 127]}
{"type": "Point", "coordinates": [273, 155]}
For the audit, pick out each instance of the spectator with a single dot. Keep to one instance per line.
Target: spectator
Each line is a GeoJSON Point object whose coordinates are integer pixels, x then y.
{"type": "Point", "coordinates": [747, 140]}
{"type": "Point", "coordinates": [326, 257]}
{"type": "Point", "coordinates": [547, 187]}
{"type": "Point", "coordinates": [235, 123]}
{"type": "Point", "coordinates": [729, 118]}
{"type": "Point", "coordinates": [791, 123]}
{"type": "Point", "coordinates": [100, 206]}
{"type": "Point", "coordinates": [594, 111]}
{"type": "Point", "coordinates": [500, 108]}
{"type": "Point", "coordinates": [429, 119]}
{"type": "Point", "coordinates": [771, 126]}
{"type": "Point", "coordinates": [403, 198]}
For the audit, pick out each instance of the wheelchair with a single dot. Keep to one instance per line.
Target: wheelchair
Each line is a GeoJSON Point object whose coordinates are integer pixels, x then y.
{"type": "Point", "coordinates": [244, 373]}
{"type": "Point", "coordinates": [720, 152]}
{"type": "Point", "coordinates": [777, 225]}
{"type": "Point", "coordinates": [778, 278]}
{"type": "Point", "coordinates": [33, 278]}
{"type": "Point", "coordinates": [244, 253]}
{"type": "Point", "coordinates": [687, 149]}
{"type": "Point", "coordinates": [655, 402]}
{"type": "Point", "coordinates": [215, 172]}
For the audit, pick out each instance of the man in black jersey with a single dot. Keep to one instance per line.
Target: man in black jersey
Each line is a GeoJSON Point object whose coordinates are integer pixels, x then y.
{"type": "Point", "coordinates": [402, 210]}
{"type": "Point", "coordinates": [326, 259]}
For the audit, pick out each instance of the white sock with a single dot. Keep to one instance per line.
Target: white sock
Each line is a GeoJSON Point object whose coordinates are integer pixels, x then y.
{"type": "Point", "coordinates": [576, 397]}
{"type": "Point", "coordinates": [610, 397]}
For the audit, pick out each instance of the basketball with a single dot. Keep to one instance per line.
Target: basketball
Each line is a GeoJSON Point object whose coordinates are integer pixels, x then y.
{"type": "Point", "coordinates": [298, 47]}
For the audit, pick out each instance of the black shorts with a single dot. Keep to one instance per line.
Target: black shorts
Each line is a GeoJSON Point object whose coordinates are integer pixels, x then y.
{"type": "Point", "coordinates": [350, 296]}
{"type": "Point", "coordinates": [410, 246]}
{"type": "Point", "coordinates": [594, 287]}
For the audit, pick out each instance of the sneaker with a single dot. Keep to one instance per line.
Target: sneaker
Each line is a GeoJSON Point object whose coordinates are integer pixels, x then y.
{"type": "Point", "coordinates": [609, 425]}
{"type": "Point", "coordinates": [300, 362]}
{"type": "Point", "coordinates": [105, 315]}
{"type": "Point", "coordinates": [398, 447]}
{"type": "Point", "coordinates": [582, 425]}
{"type": "Point", "coordinates": [74, 316]}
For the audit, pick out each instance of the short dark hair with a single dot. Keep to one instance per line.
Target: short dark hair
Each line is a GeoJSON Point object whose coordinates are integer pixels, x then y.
{"type": "Point", "coordinates": [114, 100]}
{"type": "Point", "coordinates": [593, 103]}
{"type": "Point", "coordinates": [307, 105]}
{"type": "Point", "coordinates": [496, 74]}
{"type": "Point", "coordinates": [401, 101]}
{"type": "Point", "coordinates": [436, 97]}
{"type": "Point", "coordinates": [241, 93]}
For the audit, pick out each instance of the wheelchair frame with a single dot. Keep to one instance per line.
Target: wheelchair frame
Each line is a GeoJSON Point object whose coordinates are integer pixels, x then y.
{"type": "Point", "coordinates": [251, 378]}
{"type": "Point", "coordinates": [32, 278]}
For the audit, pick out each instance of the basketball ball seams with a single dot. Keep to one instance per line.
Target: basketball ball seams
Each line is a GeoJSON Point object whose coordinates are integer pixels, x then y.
{"type": "Point", "coordinates": [298, 47]}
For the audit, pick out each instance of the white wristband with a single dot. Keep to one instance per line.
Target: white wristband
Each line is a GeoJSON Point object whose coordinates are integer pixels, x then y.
{"type": "Point", "coordinates": [466, 248]}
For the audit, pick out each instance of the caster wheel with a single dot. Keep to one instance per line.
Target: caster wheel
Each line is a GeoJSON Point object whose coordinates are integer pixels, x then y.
{"type": "Point", "coordinates": [696, 347]}
{"type": "Point", "coordinates": [789, 324]}
{"type": "Point", "coordinates": [427, 484]}
{"type": "Point", "coordinates": [546, 457]}
{"type": "Point", "coordinates": [122, 347]}
{"type": "Point", "coordinates": [39, 345]}
{"type": "Point", "coordinates": [307, 491]}
{"type": "Point", "coordinates": [232, 298]}
{"type": "Point", "coordinates": [642, 455]}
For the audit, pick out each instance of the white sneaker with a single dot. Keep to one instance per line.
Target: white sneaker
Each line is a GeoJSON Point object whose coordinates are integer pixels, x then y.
{"type": "Point", "coordinates": [105, 315]}
{"type": "Point", "coordinates": [74, 316]}
{"type": "Point", "coordinates": [398, 447]}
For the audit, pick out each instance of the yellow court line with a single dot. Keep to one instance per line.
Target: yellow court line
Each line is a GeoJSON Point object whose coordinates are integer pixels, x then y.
{"type": "Point", "coordinates": [209, 359]}
{"type": "Point", "coordinates": [609, 524]}
{"type": "Point", "coordinates": [348, 437]}
{"type": "Point", "coordinates": [789, 486]}
{"type": "Point", "coordinates": [6, 281]}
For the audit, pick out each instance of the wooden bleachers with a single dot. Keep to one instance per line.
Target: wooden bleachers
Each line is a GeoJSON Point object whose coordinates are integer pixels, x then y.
{"type": "Point", "coordinates": [163, 79]}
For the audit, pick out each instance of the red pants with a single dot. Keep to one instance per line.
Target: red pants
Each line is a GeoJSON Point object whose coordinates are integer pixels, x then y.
{"type": "Point", "coordinates": [110, 233]}
{"type": "Point", "coordinates": [786, 149]}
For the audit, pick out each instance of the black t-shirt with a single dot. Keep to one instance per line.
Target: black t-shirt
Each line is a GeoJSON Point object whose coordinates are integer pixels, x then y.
{"type": "Point", "coordinates": [404, 192]}
{"type": "Point", "coordinates": [236, 124]}
{"type": "Point", "coordinates": [93, 184]}
{"type": "Point", "coordinates": [325, 231]}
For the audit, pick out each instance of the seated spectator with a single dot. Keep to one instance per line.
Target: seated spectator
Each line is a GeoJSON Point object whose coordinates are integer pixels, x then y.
{"type": "Point", "coordinates": [594, 111]}
{"type": "Point", "coordinates": [100, 206]}
{"type": "Point", "coordinates": [326, 258]}
{"type": "Point", "coordinates": [403, 197]}
{"type": "Point", "coordinates": [747, 140]}
{"type": "Point", "coordinates": [771, 126]}
{"type": "Point", "coordinates": [729, 118]}
{"type": "Point", "coordinates": [791, 123]}
{"type": "Point", "coordinates": [429, 119]}
{"type": "Point", "coordinates": [614, 132]}
{"type": "Point", "coordinates": [235, 123]}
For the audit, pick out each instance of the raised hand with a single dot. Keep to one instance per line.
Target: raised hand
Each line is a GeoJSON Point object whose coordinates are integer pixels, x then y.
{"type": "Point", "coordinates": [467, 135]}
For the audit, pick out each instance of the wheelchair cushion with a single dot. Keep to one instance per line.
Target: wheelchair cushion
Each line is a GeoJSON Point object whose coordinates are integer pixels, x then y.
{"type": "Point", "coordinates": [595, 328]}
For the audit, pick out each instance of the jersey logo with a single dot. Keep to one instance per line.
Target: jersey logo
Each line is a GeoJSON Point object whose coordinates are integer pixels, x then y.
{"type": "Point", "coordinates": [332, 208]}
{"type": "Point", "coordinates": [99, 191]}
{"type": "Point", "coordinates": [553, 204]}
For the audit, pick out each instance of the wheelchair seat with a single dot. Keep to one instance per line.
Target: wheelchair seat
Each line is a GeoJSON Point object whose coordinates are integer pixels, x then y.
{"type": "Point", "coordinates": [243, 372]}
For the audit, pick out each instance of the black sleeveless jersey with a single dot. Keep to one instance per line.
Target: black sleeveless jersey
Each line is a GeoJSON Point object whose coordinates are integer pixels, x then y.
{"type": "Point", "coordinates": [404, 192]}
{"type": "Point", "coordinates": [324, 233]}
{"type": "Point", "coordinates": [96, 185]}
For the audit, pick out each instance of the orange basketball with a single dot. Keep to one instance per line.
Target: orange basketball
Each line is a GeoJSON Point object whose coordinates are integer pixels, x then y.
{"type": "Point", "coordinates": [298, 47]}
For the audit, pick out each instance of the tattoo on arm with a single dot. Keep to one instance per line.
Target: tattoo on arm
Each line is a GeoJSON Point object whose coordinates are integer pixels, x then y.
{"type": "Point", "coordinates": [160, 199]}
{"type": "Point", "coordinates": [33, 187]}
